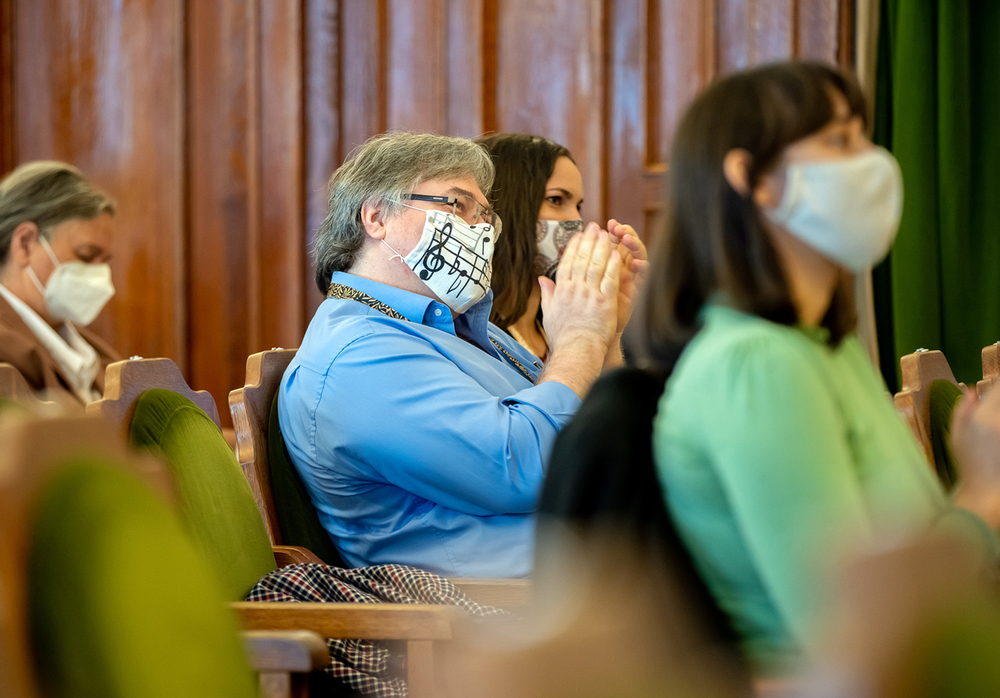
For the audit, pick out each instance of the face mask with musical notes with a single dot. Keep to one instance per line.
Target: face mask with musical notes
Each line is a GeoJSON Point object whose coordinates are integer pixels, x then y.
{"type": "Point", "coordinates": [453, 258]}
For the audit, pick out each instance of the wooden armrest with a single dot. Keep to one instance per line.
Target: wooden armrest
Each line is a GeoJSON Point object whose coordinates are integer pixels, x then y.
{"type": "Point", "coordinates": [388, 621]}
{"type": "Point", "coordinates": [502, 593]}
{"type": "Point", "coordinates": [289, 650]}
{"type": "Point", "coordinates": [286, 555]}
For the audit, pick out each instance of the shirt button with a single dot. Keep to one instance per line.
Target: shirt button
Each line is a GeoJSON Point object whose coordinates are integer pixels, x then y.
{"type": "Point", "coordinates": [437, 312]}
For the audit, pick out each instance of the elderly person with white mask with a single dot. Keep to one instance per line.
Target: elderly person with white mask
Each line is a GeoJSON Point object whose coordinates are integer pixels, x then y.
{"type": "Point", "coordinates": [55, 238]}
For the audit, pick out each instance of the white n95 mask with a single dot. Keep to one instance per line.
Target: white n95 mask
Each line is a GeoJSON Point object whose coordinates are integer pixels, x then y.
{"type": "Point", "coordinates": [75, 292]}
{"type": "Point", "coordinates": [848, 210]}
{"type": "Point", "coordinates": [552, 238]}
{"type": "Point", "coordinates": [453, 258]}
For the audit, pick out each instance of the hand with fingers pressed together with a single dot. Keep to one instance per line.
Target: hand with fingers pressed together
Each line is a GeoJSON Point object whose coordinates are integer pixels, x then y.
{"type": "Point", "coordinates": [581, 309]}
{"type": "Point", "coordinates": [975, 441]}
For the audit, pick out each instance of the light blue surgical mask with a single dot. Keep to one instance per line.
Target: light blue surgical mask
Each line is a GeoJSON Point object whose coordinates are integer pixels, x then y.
{"type": "Point", "coordinates": [848, 210]}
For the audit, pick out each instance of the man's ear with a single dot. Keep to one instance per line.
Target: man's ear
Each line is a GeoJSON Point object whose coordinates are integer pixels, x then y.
{"type": "Point", "coordinates": [373, 219]}
{"type": "Point", "coordinates": [24, 236]}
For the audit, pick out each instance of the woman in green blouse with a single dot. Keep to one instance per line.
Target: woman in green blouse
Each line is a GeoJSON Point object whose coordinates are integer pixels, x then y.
{"type": "Point", "coordinates": [776, 443]}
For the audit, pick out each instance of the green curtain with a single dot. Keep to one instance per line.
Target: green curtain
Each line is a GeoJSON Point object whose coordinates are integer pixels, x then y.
{"type": "Point", "coordinates": [937, 107]}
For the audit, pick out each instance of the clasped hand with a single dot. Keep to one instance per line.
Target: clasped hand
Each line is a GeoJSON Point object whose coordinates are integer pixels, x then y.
{"type": "Point", "coordinates": [582, 306]}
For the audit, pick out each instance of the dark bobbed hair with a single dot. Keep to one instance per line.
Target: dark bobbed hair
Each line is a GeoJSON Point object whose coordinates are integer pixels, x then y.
{"type": "Point", "coordinates": [713, 239]}
{"type": "Point", "coordinates": [524, 164]}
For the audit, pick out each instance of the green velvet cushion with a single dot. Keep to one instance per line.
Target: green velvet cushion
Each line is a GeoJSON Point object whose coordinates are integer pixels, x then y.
{"type": "Point", "coordinates": [943, 398]}
{"type": "Point", "coordinates": [296, 514]}
{"type": "Point", "coordinates": [121, 602]}
{"type": "Point", "coordinates": [216, 502]}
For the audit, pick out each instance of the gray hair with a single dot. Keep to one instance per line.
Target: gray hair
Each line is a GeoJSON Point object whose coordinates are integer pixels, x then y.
{"type": "Point", "coordinates": [46, 193]}
{"type": "Point", "coordinates": [379, 173]}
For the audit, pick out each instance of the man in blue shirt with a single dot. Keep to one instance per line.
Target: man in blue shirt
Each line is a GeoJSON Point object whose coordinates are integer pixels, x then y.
{"type": "Point", "coordinates": [420, 430]}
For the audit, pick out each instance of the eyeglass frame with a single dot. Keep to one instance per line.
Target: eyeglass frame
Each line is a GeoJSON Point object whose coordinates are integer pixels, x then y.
{"type": "Point", "coordinates": [485, 213]}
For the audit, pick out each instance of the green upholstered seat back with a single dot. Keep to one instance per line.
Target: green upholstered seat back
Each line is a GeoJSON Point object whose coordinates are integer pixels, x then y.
{"type": "Point", "coordinates": [296, 514]}
{"type": "Point", "coordinates": [216, 503]}
{"type": "Point", "coordinates": [943, 398]}
{"type": "Point", "coordinates": [121, 602]}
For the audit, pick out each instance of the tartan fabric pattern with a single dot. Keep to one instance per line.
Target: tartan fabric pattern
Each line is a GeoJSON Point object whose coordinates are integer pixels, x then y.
{"type": "Point", "coordinates": [365, 666]}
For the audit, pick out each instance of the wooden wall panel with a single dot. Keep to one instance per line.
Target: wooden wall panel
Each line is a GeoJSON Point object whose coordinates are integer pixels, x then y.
{"type": "Point", "coordinates": [221, 70]}
{"type": "Point", "coordinates": [100, 85]}
{"type": "Point", "coordinates": [551, 79]}
{"type": "Point", "coordinates": [281, 240]}
{"type": "Point", "coordinates": [217, 124]}
{"type": "Point", "coordinates": [471, 76]}
{"type": "Point", "coordinates": [8, 156]}
{"type": "Point", "coordinates": [417, 47]}
{"type": "Point", "coordinates": [628, 155]}
{"type": "Point", "coordinates": [322, 124]}
{"type": "Point", "coordinates": [363, 65]}
{"type": "Point", "coordinates": [819, 32]}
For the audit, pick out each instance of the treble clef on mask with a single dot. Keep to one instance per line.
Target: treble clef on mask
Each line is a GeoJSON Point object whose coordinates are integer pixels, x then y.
{"type": "Point", "coordinates": [453, 258]}
{"type": "Point", "coordinates": [433, 259]}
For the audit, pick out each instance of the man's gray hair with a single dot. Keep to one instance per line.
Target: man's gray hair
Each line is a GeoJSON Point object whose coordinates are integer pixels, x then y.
{"type": "Point", "coordinates": [379, 173]}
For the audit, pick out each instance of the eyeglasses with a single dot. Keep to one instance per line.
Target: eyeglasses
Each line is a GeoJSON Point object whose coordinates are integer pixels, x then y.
{"type": "Point", "coordinates": [463, 206]}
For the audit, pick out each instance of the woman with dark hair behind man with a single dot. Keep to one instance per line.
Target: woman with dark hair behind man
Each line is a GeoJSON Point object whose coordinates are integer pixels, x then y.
{"type": "Point", "coordinates": [775, 442]}
{"type": "Point", "coordinates": [538, 194]}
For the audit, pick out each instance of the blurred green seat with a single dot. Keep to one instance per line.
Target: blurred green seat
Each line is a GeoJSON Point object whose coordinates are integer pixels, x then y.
{"type": "Point", "coordinates": [215, 500]}
{"type": "Point", "coordinates": [218, 508]}
{"type": "Point", "coordinates": [101, 591]}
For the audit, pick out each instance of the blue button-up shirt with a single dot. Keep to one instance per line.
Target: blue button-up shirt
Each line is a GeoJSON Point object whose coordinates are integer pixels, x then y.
{"type": "Point", "coordinates": [418, 441]}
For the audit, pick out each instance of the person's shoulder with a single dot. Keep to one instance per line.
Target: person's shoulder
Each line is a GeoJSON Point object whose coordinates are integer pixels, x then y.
{"type": "Point", "coordinates": [344, 330]}
{"type": "Point", "coordinates": [732, 342]}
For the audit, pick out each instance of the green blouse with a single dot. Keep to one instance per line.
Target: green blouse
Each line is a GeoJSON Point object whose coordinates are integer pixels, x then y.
{"type": "Point", "coordinates": [775, 451]}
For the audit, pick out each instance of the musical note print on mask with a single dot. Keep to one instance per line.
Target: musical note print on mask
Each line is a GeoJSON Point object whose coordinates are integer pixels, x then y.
{"type": "Point", "coordinates": [454, 259]}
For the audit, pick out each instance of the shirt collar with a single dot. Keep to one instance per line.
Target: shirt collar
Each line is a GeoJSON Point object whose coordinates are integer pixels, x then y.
{"type": "Point", "coordinates": [77, 360]}
{"type": "Point", "coordinates": [423, 310]}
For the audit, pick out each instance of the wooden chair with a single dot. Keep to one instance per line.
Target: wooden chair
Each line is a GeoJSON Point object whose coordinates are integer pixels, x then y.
{"type": "Point", "coordinates": [251, 409]}
{"type": "Point", "coordinates": [125, 380]}
{"type": "Point", "coordinates": [920, 369]}
{"type": "Point", "coordinates": [991, 368]}
{"type": "Point", "coordinates": [36, 453]}
{"type": "Point", "coordinates": [14, 387]}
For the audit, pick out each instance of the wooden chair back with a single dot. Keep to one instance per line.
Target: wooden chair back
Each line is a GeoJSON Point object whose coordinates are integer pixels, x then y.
{"type": "Point", "coordinates": [250, 407]}
{"type": "Point", "coordinates": [920, 369]}
{"type": "Point", "coordinates": [125, 380]}
{"type": "Point", "coordinates": [991, 368]}
{"type": "Point", "coordinates": [14, 387]}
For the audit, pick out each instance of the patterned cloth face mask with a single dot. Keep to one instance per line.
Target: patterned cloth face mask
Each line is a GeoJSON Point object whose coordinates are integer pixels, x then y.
{"type": "Point", "coordinates": [454, 259]}
{"type": "Point", "coordinates": [552, 238]}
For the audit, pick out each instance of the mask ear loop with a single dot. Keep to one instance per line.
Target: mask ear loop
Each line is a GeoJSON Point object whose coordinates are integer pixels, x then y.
{"type": "Point", "coordinates": [52, 255]}
{"type": "Point", "coordinates": [395, 254]}
{"type": "Point", "coordinates": [48, 249]}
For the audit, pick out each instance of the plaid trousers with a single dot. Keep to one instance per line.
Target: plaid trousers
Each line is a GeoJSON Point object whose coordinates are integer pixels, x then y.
{"type": "Point", "coordinates": [363, 665]}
